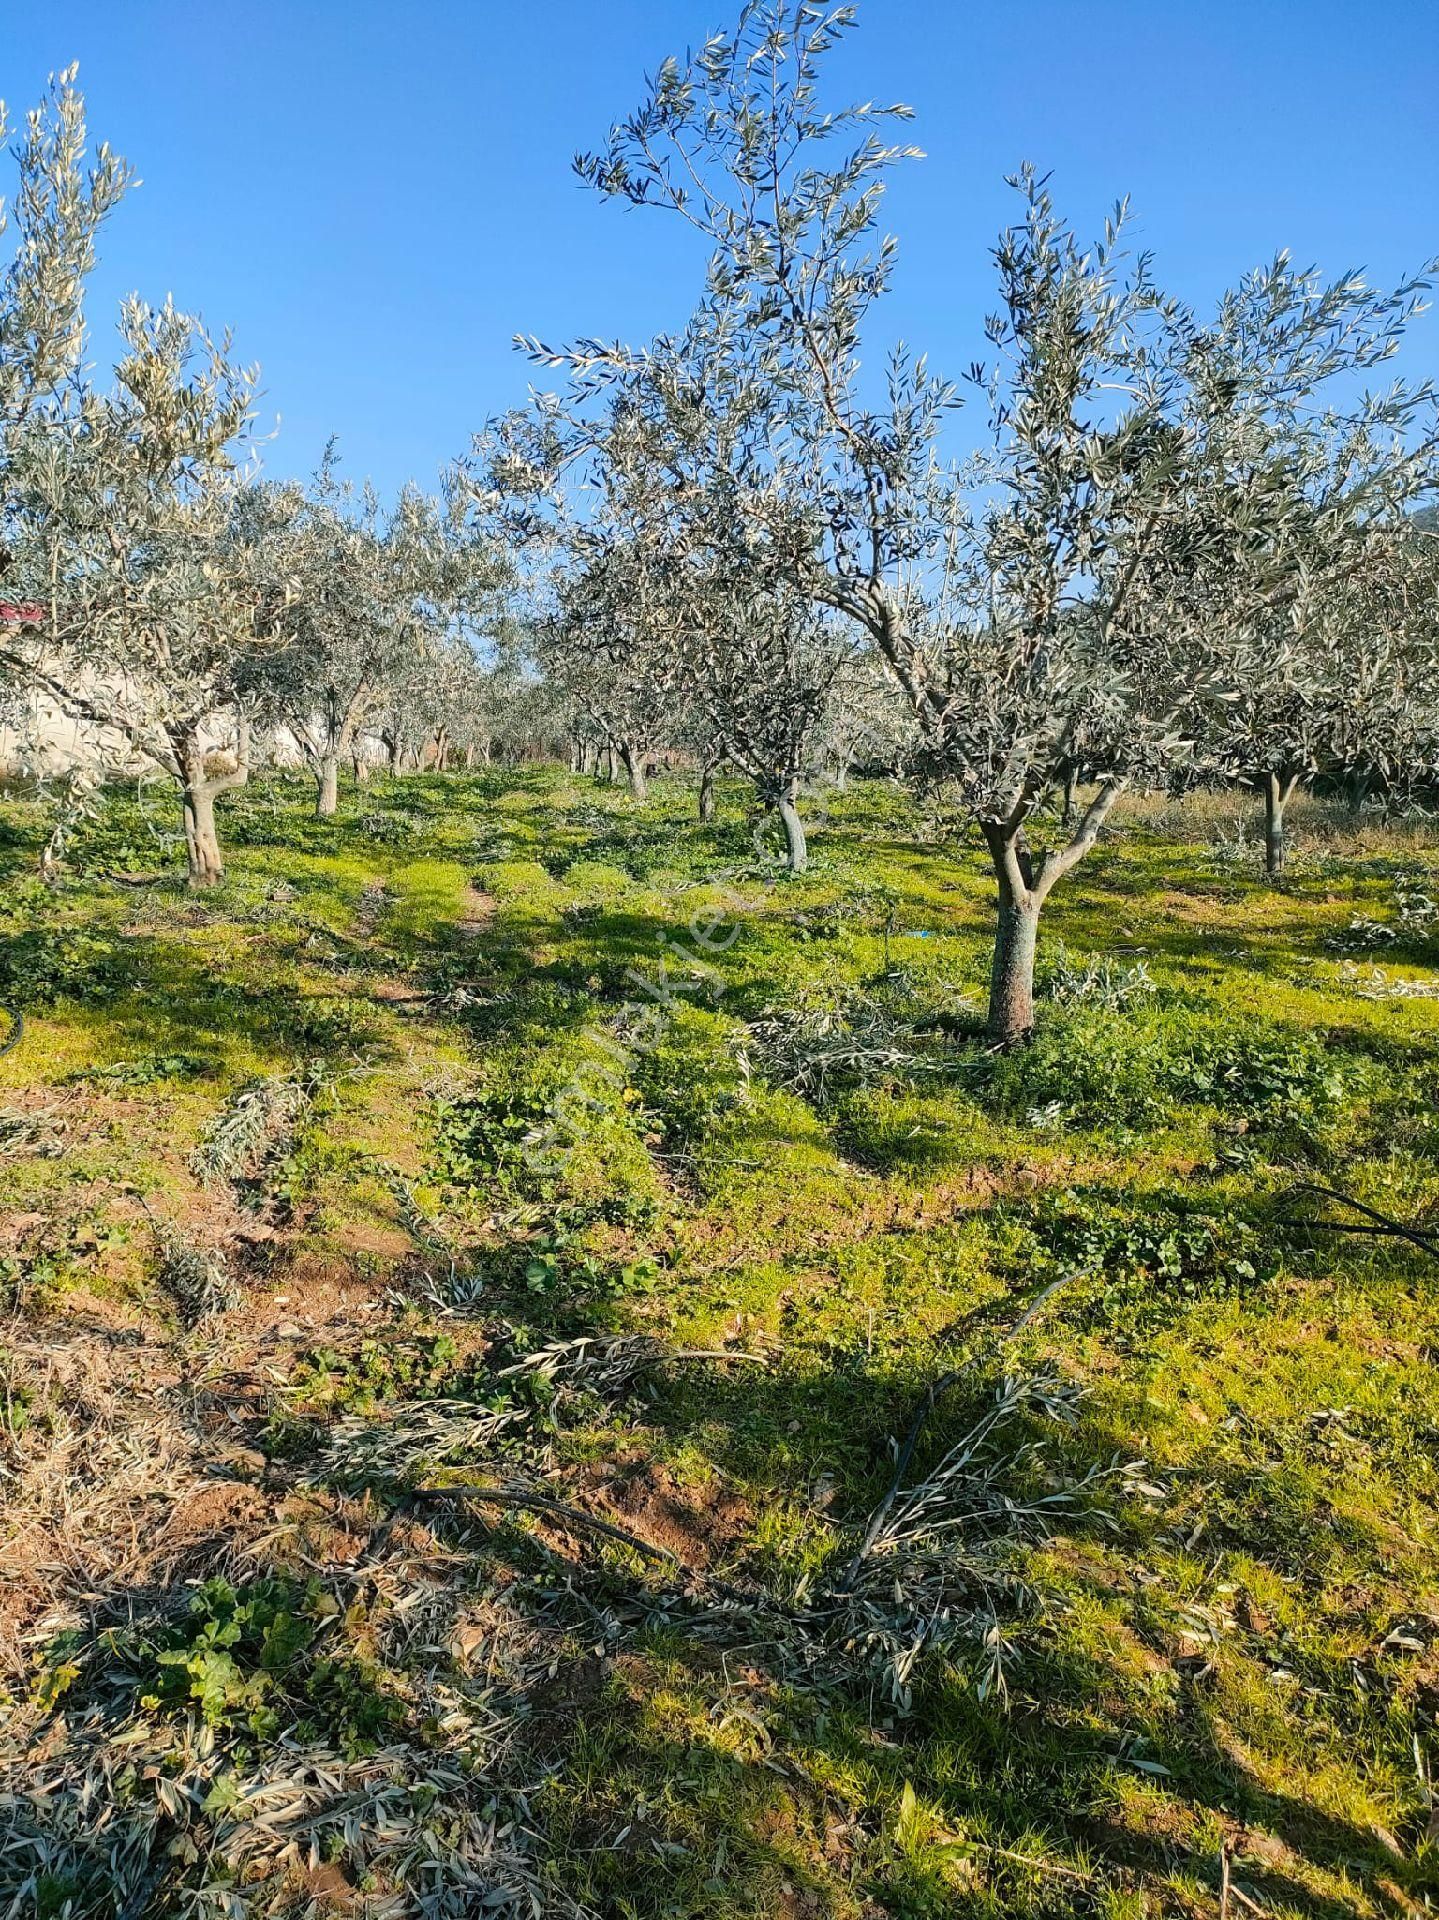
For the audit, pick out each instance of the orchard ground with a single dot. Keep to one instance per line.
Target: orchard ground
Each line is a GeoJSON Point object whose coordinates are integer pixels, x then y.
{"type": "Point", "coordinates": [304, 1177]}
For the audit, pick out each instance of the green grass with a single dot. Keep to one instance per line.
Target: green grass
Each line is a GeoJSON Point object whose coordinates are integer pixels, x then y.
{"type": "Point", "coordinates": [555, 1037]}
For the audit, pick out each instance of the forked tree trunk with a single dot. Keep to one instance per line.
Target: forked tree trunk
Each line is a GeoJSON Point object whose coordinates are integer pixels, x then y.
{"type": "Point", "coordinates": [205, 865]}
{"type": "Point", "coordinates": [795, 845]}
{"type": "Point", "coordinates": [635, 769]}
{"type": "Point", "coordinates": [205, 868]}
{"type": "Point", "coordinates": [327, 785]}
{"type": "Point", "coordinates": [1023, 889]}
{"type": "Point", "coordinates": [1278, 790]}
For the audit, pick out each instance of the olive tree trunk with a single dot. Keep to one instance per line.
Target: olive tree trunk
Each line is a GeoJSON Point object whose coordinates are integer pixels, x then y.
{"type": "Point", "coordinates": [635, 769]}
{"type": "Point", "coordinates": [1011, 976]}
{"type": "Point", "coordinates": [795, 844]}
{"type": "Point", "coordinates": [204, 865]}
{"type": "Point", "coordinates": [1278, 791]}
{"type": "Point", "coordinates": [707, 791]}
{"type": "Point", "coordinates": [327, 784]}
{"type": "Point", "coordinates": [199, 788]}
{"type": "Point", "coordinates": [1024, 886]}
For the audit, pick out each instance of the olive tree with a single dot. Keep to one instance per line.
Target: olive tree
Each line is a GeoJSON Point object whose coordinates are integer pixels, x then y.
{"type": "Point", "coordinates": [606, 640]}
{"type": "Point", "coordinates": [786, 190]}
{"type": "Point", "coordinates": [63, 194]}
{"type": "Point", "coordinates": [122, 532]}
{"type": "Point", "coordinates": [967, 605]}
{"type": "Point", "coordinates": [763, 667]}
{"type": "Point", "coordinates": [1385, 615]}
{"type": "Point", "coordinates": [363, 599]}
{"type": "Point", "coordinates": [1294, 489]}
{"type": "Point", "coordinates": [1034, 609]}
{"type": "Point", "coordinates": [441, 705]}
{"type": "Point", "coordinates": [577, 484]}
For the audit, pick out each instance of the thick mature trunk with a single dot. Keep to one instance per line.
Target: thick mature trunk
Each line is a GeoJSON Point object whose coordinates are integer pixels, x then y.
{"type": "Point", "coordinates": [202, 844]}
{"type": "Point", "coordinates": [707, 793]}
{"type": "Point", "coordinates": [635, 769]}
{"type": "Point", "coordinates": [361, 765]}
{"type": "Point", "coordinates": [396, 751]}
{"type": "Point", "coordinates": [841, 777]}
{"type": "Point", "coordinates": [327, 786]}
{"type": "Point", "coordinates": [1278, 787]}
{"type": "Point", "coordinates": [796, 847]}
{"type": "Point", "coordinates": [1011, 980]}
{"type": "Point", "coordinates": [198, 790]}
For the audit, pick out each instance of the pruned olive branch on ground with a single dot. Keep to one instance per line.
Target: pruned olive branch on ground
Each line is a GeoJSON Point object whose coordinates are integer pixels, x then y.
{"type": "Point", "coordinates": [256, 1124]}
{"type": "Point", "coordinates": [934, 1566]}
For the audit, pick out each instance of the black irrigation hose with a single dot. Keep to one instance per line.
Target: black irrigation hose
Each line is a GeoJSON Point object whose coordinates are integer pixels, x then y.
{"type": "Point", "coordinates": [17, 1030]}
{"type": "Point", "coordinates": [1382, 1224]}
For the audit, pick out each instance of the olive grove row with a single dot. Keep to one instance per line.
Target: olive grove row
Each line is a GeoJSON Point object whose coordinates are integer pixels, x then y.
{"type": "Point", "coordinates": [1190, 546]}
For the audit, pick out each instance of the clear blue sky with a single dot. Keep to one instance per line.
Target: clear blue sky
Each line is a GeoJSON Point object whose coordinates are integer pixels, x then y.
{"type": "Point", "coordinates": [377, 197]}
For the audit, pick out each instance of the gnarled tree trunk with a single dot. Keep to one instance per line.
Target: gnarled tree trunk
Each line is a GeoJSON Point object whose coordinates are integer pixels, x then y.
{"type": "Point", "coordinates": [707, 791]}
{"type": "Point", "coordinates": [199, 788]}
{"type": "Point", "coordinates": [634, 760]}
{"type": "Point", "coordinates": [204, 866]}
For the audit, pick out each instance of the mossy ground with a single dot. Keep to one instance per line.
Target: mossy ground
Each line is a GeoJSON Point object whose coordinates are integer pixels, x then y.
{"type": "Point", "coordinates": [1233, 1649]}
